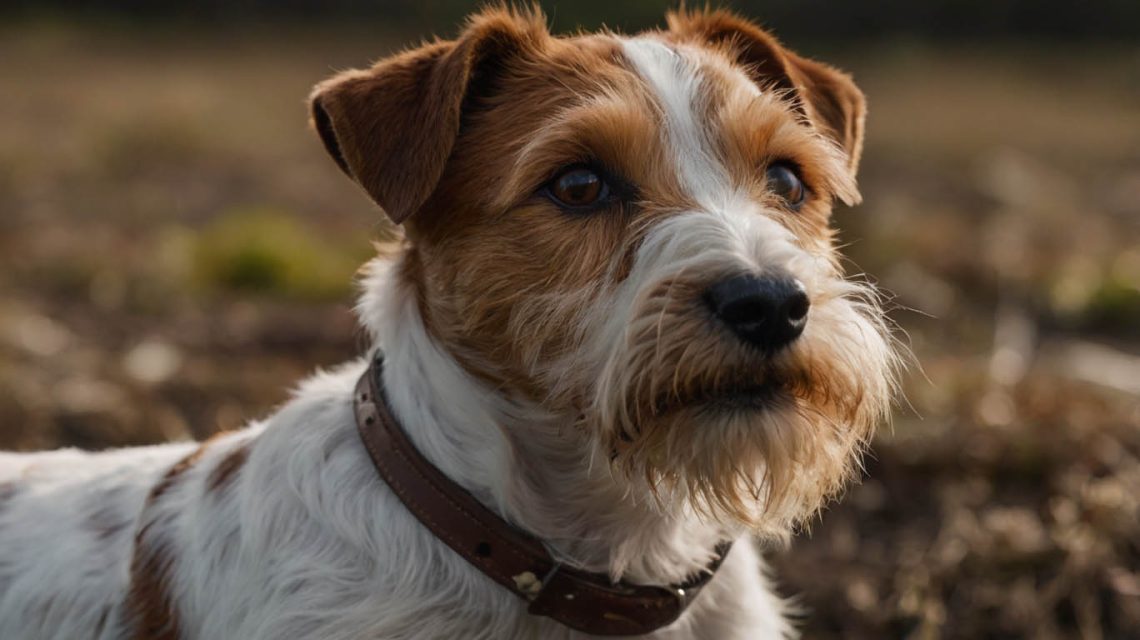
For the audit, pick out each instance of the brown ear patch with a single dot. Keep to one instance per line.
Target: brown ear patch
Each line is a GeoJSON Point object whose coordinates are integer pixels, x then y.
{"type": "Point", "coordinates": [388, 127]}
{"type": "Point", "coordinates": [839, 105]}
{"type": "Point", "coordinates": [392, 127]}
{"type": "Point", "coordinates": [322, 123]}
{"type": "Point", "coordinates": [828, 97]}
{"type": "Point", "coordinates": [749, 44]}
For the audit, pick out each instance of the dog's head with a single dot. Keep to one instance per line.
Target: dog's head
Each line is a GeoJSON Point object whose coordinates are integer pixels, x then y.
{"type": "Point", "coordinates": [634, 232]}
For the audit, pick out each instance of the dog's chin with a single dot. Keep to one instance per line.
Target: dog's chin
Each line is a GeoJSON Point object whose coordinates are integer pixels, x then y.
{"type": "Point", "coordinates": [755, 451]}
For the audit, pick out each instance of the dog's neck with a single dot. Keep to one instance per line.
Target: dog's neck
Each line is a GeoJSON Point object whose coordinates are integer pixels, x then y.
{"type": "Point", "coordinates": [533, 468]}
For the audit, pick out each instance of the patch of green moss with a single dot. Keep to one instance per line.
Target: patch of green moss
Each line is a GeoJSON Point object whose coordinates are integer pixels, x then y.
{"type": "Point", "coordinates": [271, 252]}
{"type": "Point", "coordinates": [1114, 305]}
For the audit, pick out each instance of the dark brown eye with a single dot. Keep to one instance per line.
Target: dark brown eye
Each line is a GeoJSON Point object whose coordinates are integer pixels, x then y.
{"type": "Point", "coordinates": [783, 181]}
{"type": "Point", "coordinates": [577, 188]}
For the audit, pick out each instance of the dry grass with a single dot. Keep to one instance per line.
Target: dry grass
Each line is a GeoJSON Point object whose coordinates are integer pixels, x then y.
{"type": "Point", "coordinates": [1002, 194]}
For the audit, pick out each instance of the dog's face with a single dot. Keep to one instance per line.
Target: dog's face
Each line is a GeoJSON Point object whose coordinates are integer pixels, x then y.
{"type": "Point", "coordinates": [634, 232]}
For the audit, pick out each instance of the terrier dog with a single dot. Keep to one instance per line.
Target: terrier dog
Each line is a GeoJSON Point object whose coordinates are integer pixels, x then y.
{"type": "Point", "coordinates": [615, 338]}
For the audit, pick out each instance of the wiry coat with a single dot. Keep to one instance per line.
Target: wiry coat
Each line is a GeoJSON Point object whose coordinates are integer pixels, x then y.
{"type": "Point", "coordinates": [560, 365]}
{"type": "Point", "coordinates": [285, 530]}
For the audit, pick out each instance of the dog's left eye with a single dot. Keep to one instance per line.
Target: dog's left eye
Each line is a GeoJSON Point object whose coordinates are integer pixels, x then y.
{"type": "Point", "coordinates": [577, 188]}
{"type": "Point", "coordinates": [783, 181]}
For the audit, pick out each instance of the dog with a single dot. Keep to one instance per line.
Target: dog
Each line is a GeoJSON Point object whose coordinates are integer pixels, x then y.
{"type": "Point", "coordinates": [615, 340]}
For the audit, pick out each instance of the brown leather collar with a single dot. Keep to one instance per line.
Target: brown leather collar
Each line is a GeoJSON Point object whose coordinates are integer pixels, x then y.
{"type": "Point", "coordinates": [579, 599]}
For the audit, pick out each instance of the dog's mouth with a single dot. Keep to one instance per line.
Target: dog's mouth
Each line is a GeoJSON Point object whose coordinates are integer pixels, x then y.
{"type": "Point", "coordinates": [734, 397]}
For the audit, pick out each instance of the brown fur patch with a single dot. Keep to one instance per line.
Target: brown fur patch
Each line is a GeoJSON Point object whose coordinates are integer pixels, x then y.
{"type": "Point", "coordinates": [148, 604]}
{"type": "Point", "coordinates": [229, 466]}
{"type": "Point", "coordinates": [489, 190]}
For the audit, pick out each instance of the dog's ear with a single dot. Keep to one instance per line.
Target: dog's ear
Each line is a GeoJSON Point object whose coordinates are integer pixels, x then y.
{"type": "Point", "coordinates": [392, 127]}
{"type": "Point", "coordinates": [827, 96]}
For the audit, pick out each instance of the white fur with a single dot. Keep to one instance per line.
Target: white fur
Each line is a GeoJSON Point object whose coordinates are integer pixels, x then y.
{"type": "Point", "coordinates": [308, 542]}
{"type": "Point", "coordinates": [676, 81]}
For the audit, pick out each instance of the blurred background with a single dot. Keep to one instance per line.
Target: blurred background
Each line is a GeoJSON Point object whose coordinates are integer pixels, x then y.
{"type": "Point", "coordinates": [176, 252]}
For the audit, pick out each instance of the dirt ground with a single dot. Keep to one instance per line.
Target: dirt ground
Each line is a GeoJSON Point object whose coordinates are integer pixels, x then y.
{"type": "Point", "coordinates": [176, 252]}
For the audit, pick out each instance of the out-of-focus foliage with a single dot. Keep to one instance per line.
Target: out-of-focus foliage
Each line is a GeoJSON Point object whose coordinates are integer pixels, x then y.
{"type": "Point", "coordinates": [271, 252]}
{"type": "Point", "coordinates": [176, 248]}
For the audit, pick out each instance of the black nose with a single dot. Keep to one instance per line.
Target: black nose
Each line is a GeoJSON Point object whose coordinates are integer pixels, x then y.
{"type": "Point", "coordinates": [767, 312]}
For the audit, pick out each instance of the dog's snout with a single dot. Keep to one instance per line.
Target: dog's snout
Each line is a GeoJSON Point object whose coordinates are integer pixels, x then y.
{"type": "Point", "coordinates": [768, 312]}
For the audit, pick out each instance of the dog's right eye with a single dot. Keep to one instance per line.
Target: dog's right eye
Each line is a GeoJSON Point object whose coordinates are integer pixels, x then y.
{"type": "Point", "coordinates": [785, 182]}
{"type": "Point", "coordinates": [577, 188]}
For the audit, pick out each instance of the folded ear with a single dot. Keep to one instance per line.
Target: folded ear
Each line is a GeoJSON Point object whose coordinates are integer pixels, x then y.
{"type": "Point", "coordinates": [392, 127]}
{"type": "Point", "coordinates": [827, 96]}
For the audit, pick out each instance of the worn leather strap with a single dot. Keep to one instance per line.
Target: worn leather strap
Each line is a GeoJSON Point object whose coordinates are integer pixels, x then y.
{"type": "Point", "coordinates": [579, 599]}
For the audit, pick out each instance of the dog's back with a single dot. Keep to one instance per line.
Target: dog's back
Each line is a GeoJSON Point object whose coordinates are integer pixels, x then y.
{"type": "Point", "coordinates": [67, 524]}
